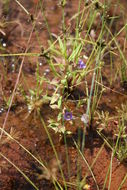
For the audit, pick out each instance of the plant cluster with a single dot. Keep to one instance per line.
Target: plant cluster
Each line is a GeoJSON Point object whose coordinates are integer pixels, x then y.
{"type": "Point", "coordinates": [77, 65]}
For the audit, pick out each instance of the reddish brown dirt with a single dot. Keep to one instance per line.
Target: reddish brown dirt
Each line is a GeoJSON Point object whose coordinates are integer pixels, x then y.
{"type": "Point", "coordinates": [29, 130]}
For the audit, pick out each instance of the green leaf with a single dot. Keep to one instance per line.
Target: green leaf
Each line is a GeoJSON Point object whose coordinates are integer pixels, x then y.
{"type": "Point", "coordinates": [59, 116]}
{"type": "Point", "coordinates": [54, 106]}
{"type": "Point", "coordinates": [54, 98]}
{"type": "Point", "coordinates": [75, 52]}
{"type": "Point", "coordinates": [61, 45]}
{"type": "Point", "coordinates": [54, 70]}
{"type": "Point", "coordinates": [60, 102]}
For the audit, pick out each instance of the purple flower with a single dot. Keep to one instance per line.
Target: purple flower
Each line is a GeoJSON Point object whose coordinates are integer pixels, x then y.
{"type": "Point", "coordinates": [68, 116]}
{"type": "Point", "coordinates": [82, 65]}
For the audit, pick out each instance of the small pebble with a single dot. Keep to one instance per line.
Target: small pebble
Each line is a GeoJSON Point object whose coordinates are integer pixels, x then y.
{"type": "Point", "coordinates": [13, 65]}
{"type": "Point", "coordinates": [40, 64]}
{"type": "Point", "coordinates": [47, 70]}
{"type": "Point", "coordinates": [1, 110]}
{"type": "Point", "coordinates": [4, 44]}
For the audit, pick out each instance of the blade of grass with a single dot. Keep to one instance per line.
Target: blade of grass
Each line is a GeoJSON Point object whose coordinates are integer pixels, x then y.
{"type": "Point", "coordinates": [86, 163]}
{"type": "Point", "coordinates": [20, 171]}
